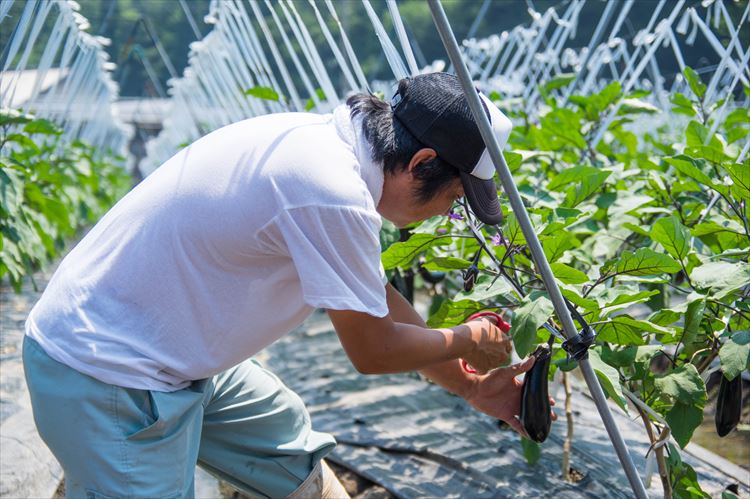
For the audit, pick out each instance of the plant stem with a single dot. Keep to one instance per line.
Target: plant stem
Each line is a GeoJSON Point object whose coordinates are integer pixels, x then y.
{"type": "Point", "coordinates": [569, 437]}
{"type": "Point", "coordinates": [707, 361]}
{"type": "Point", "coordinates": [661, 463]}
{"type": "Point", "coordinates": [729, 307]}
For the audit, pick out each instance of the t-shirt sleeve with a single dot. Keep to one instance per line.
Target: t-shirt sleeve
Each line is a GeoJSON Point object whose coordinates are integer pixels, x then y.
{"type": "Point", "coordinates": [336, 251]}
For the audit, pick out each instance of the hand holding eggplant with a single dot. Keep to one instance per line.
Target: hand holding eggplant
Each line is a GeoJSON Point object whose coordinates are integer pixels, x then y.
{"type": "Point", "coordinates": [492, 347]}
{"type": "Point", "coordinates": [498, 394]}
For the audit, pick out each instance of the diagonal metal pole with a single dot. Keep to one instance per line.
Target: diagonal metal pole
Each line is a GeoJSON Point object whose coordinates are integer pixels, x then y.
{"type": "Point", "coordinates": [451, 46]}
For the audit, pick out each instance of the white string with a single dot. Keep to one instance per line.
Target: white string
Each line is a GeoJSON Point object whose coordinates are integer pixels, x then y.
{"type": "Point", "coordinates": [349, 49]}
{"type": "Point", "coordinates": [334, 47]}
{"type": "Point", "coordinates": [280, 64]}
{"type": "Point", "coordinates": [403, 39]}
{"type": "Point", "coordinates": [391, 54]}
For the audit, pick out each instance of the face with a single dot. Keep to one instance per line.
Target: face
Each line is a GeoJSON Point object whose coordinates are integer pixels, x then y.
{"type": "Point", "coordinates": [398, 203]}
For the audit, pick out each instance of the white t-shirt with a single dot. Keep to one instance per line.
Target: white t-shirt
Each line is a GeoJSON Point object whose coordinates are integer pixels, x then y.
{"type": "Point", "coordinates": [225, 248]}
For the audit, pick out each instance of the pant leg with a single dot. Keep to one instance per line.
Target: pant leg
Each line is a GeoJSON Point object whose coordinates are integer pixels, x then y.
{"type": "Point", "coordinates": [114, 442]}
{"type": "Point", "coordinates": [257, 433]}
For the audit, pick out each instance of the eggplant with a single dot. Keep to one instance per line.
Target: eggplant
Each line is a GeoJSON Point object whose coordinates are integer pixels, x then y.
{"type": "Point", "coordinates": [535, 406]}
{"type": "Point", "coordinates": [728, 405]}
{"type": "Point", "coordinates": [470, 278]}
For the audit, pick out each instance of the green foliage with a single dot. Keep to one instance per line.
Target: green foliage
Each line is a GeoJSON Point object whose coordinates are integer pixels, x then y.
{"type": "Point", "coordinates": [49, 190]}
{"type": "Point", "coordinates": [264, 93]}
{"type": "Point", "coordinates": [649, 239]}
{"type": "Point", "coordinates": [532, 451]}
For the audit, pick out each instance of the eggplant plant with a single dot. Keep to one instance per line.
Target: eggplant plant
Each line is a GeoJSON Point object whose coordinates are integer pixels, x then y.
{"type": "Point", "coordinates": [647, 235]}
{"type": "Point", "coordinates": [49, 189]}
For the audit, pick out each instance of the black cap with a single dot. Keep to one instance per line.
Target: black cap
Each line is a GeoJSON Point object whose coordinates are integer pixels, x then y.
{"type": "Point", "coordinates": [435, 110]}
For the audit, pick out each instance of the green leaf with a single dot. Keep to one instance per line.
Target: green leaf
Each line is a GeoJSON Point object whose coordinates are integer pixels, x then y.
{"type": "Point", "coordinates": [619, 333]}
{"type": "Point", "coordinates": [693, 317]}
{"type": "Point", "coordinates": [721, 278]}
{"type": "Point", "coordinates": [608, 377]}
{"type": "Point", "coordinates": [684, 385]}
{"type": "Point", "coordinates": [42, 126]}
{"type": "Point", "coordinates": [11, 191]}
{"type": "Point", "coordinates": [569, 175]}
{"type": "Point", "coordinates": [512, 230]}
{"type": "Point", "coordinates": [13, 116]}
{"type": "Point", "coordinates": [693, 168]}
{"type": "Point", "coordinates": [453, 313]}
{"type": "Point", "coordinates": [721, 234]}
{"type": "Point", "coordinates": [265, 93]}
{"type": "Point", "coordinates": [673, 236]}
{"type": "Point", "coordinates": [389, 234]}
{"type": "Point", "coordinates": [401, 254]}
{"type": "Point", "coordinates": [740, 175]}
{"type": "Point", "coordinates": [584, 188]}
{"type": "Point", "coordinates": [527, 318]}
{"type": "Point", "coordinates": [622, 297]}
{"type": "Point", "coordinates": [695, 83]}
{"type": "Point", "coordinates": [735, 354]}
{"type": "Point", "coordinates": [575, 297]}
{"type": "Point", "coordinates": [568, 274]}
{"type": "Point", "coordinates": [555, 246]}
{"type": "Point", "coordinates": [637, 229]}
{"type": "Point", "coordinates": [531, 450]}
{"type": "Point", "coordinates": [683, 419]}
{"type": "Point", "coordinates": [513, 160]}
{"type": "Point", "coordinates": [696, 135]}
{"type": "Point", "coordinates": [559, 81]}
{"type": "Point", "coordinates": [484, 290]}
{"type": "Point", "coordinates": [23, 141]}
{"type": "Point", "coordinates": [683, 105]}
{"type": "Point", "coordinates": [643, 262]}
{"type": "Point", "coordinates": [624, 330]}
{"type": "Point", "coordinates": [442, 263]}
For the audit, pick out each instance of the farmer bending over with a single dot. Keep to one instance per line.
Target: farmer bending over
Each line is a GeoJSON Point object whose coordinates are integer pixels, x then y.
{"type": "Point", "coordinates": [138, 355]}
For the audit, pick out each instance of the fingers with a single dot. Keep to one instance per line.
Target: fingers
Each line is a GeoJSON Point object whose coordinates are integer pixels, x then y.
{"type": "Point", "coordinates": [521, 367]}
{"type": "Point", "coordinates": [553, 414]}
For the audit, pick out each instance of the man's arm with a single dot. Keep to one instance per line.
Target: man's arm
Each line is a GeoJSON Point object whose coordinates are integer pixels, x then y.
{"type": "Point", "coordinates": [383, 345]}
{"type": "Point", "coordinates": [448, 374]}
{"type": "Point", "coordinates": [497, 393]}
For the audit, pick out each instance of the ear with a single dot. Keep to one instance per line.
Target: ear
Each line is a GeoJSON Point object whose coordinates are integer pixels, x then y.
{"type": "Point", "coordinates": [425, 154]}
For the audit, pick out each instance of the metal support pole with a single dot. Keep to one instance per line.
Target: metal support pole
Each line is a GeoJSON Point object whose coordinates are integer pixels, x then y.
{"type": "Point", "coordinates": [451, 46]}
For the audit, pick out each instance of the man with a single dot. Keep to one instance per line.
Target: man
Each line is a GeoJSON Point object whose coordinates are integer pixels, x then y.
{"type": "Point", "coordinates": [137, 353]}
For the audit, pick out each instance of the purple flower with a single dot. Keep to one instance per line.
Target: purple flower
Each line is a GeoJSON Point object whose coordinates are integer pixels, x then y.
{"type": "Point", "coordinates": [497, 239]}
{"type": "Point", "coordinates": [442, 230]}
{"type": "Point", "coordinates": [455, 216]}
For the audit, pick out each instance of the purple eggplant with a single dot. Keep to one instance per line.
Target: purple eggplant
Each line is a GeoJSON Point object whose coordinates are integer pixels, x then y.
{"type": "Point", "coordinates": [728, 405]}
{"type": "Point", "coordinates": [535, 407]}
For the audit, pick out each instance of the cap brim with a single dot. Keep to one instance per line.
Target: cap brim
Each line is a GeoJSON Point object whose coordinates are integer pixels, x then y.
{"type": "Point", "coordinates": [482, 197]}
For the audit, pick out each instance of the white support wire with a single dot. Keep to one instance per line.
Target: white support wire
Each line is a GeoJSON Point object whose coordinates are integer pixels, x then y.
{"type": "Point", "coordinates": [80, 96]}
{"type": "Point", "coordinates": [402, 38]}
{"type": "Point", "coordinates": [515, 62]}
{"type": "Point", "coordinates": [363, 84]}
{"type": "Point", "coordinates": [334, 47]}
{"type": "Point", "coordinates": [280, 64]}
{"type": "Point", "coordinates": [391, 54]}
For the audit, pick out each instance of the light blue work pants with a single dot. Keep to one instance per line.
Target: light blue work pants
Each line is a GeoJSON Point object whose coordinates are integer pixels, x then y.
{"type": "Point", "coordinates": [243, 425]}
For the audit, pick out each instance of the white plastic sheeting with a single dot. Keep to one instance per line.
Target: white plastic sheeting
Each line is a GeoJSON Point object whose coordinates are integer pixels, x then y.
{"type": "Point", "coordinates": [514, 63]}
{"type": "Point", "coordinates": [72, 83]}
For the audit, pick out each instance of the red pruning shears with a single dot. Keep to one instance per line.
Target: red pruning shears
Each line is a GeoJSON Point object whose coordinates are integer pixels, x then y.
{"type": "Point", "coordinates": [494, 318]}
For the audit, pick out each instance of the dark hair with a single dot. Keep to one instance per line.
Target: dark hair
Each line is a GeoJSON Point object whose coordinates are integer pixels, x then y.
{"type": "Point", "coordinates": [394, 146]}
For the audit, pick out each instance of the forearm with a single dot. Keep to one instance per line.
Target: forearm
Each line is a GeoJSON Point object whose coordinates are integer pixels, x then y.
{"type": "Point", "coordinates": [408, 347]}
{"type": "Point", "coordinates": [447, 374]}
